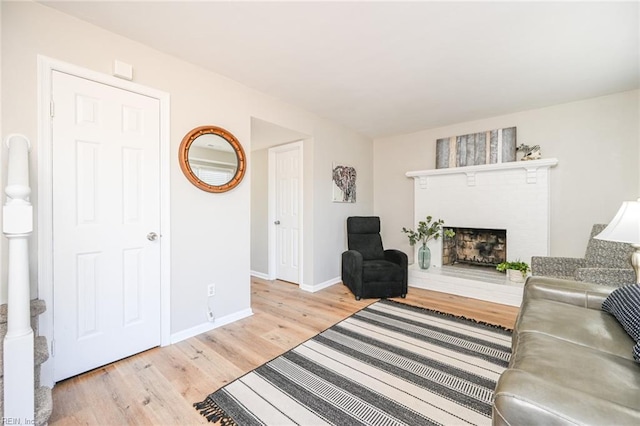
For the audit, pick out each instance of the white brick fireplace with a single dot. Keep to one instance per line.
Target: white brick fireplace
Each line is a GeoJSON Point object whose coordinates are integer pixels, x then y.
{"type": "Point", "coordinates": [514, 196]}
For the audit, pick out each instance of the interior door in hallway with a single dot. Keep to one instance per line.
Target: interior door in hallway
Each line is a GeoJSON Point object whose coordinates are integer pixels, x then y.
{"type": "Point", "coordinates": [106, 217]}
{"type": "Point", "coordinates": [287, 196]}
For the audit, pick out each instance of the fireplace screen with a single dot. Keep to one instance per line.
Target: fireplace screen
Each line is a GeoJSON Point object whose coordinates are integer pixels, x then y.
{"type": "Point", "coordinates": [484, 247]}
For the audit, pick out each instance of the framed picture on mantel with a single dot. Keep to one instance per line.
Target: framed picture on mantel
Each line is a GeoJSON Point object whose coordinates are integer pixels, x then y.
{"type": "Point", "coordinates": [489, 147]}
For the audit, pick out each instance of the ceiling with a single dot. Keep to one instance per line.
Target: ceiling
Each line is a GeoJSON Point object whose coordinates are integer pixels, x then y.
{"type": "Point", "coordinates": [386, 68]}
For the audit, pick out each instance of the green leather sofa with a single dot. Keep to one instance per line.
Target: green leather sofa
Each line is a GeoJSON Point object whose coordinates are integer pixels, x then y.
{"type": "Point", "coordinates": [572, 363]}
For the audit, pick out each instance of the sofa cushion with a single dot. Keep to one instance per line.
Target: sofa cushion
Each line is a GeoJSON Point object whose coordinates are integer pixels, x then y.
{"type": "Point", "coordinates": [624, 304]}
{"type": "Point", "coordinates": [559, 382]}
{"type": "Point", "coordinates": [586, 327]}
{"type": "Point", "coordinates": [522, 398]}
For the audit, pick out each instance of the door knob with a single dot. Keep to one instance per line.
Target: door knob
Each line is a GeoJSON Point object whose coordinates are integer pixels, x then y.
{"type": "Point", "coordinates": [277, 222]}
{"type": "Point", "coordinates": [152, 236]}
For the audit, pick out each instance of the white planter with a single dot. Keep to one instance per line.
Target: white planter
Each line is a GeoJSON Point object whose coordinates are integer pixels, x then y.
{"type": "Point", "coordinates": [515, 276]}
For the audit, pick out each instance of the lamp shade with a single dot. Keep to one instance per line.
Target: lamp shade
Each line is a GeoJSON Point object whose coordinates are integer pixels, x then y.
{"type": "Point", "coordinates": [625, 226]}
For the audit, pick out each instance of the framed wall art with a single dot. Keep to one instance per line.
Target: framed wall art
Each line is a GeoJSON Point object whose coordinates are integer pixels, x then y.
{"type": "Point", "coordinates": [344, 183]}
{"type": "Point", "coordinates": [489, 147]}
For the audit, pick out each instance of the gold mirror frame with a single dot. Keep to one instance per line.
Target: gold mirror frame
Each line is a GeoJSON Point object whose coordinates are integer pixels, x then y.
{"type": "Point", "coordinates": [183, 157]}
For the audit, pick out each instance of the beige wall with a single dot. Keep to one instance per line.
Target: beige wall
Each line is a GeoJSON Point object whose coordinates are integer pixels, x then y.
{"type": "Point", "coordinates": [263, 136]}
{"type": "Point", "coordinates": [356, 152]}
{"type": "Point", "coordinates": [596, 142]}
{"type": "Point", "coordinates": [324, 220]}
{"type": "Point", "coordinates": [260, 211]}
{"type": "Point", "coordinates": [210, 232]}
{"type": "Point", "coordinates": [197, 97]}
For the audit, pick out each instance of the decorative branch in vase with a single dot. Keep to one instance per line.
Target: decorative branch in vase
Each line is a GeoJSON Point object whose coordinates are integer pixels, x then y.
{"type": "Point", "coordinates": [427, 230]}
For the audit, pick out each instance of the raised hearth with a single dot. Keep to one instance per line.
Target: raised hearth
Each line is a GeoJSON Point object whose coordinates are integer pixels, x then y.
{"type": "Point", "coordinates": [477, 283]}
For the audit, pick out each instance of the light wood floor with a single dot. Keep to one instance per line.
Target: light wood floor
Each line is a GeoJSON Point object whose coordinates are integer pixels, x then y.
{"type": "Point", "coordinates": [160, 385]}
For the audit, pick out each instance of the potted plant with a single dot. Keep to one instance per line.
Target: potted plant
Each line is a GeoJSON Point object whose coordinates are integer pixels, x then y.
{"type": "Point", "coordinates": [516, 271]}
{"type": "Point", "coordinates": [427, 230]}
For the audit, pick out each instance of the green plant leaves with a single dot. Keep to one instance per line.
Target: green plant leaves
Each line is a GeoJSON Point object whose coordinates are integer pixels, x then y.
{"type": "Point", "coordinates": [427, 230]}
{"type": "Point", "coordinates": [518, 265]}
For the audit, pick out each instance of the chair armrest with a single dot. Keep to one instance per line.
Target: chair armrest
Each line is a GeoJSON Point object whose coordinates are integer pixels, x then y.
{"type": "Point", "coordinates": [400, 258]}
{"type": "Point", "coordinates": [578, 293]}
{"type": "Point", "coordinates": [556, 266]}
{"type": "Point", "coordinates": [607, 276]}
{"type": "Point", "coordinates": [352, 269]}
{"type": "Point", "coordinates": [396, 256]}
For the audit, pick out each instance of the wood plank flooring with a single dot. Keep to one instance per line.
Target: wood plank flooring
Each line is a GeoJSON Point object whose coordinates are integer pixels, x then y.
{"type": "Point", "coordinates": [160, 385]}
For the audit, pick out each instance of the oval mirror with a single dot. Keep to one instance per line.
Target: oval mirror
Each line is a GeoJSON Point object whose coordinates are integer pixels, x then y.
{"type": "Point", "coordinates": [212, 159]}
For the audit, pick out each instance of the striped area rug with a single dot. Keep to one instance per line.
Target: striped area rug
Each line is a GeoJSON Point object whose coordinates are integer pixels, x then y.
{"type": "Point", "coordinates": [388, 364]}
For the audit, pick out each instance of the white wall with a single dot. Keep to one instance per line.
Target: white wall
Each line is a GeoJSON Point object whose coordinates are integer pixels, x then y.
{"type": "Point", "coordinates": [210, 232]}
{"type": "Point", "coordinates": [596, 142]}
{"type": "Point", "coordinates": [3, 150]}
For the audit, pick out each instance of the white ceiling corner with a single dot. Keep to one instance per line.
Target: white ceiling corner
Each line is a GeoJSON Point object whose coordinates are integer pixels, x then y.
{"type": "Point", "coordinates": [385, 68]}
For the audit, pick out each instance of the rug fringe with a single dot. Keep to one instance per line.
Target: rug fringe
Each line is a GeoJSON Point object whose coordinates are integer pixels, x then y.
{"type": "Point", "coordinates": [462, 317]}
{"type": "Point", "coordinates": [212, 412]}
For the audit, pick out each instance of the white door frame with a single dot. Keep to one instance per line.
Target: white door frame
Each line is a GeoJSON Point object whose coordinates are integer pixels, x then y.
{"type": "Point", "coordinates": [46, 66]}
{"type": "Point", "coordinates": [272, 208]}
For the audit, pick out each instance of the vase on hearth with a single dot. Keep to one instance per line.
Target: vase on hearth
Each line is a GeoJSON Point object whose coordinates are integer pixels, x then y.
{"type": "Point", "coordinates": [424, 257]}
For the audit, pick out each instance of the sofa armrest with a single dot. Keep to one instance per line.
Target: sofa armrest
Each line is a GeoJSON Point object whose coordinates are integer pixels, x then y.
{"type": "Point", "coordinates": [578, 293]}
{"type": "Point", "coordinates": [607, 276]}
{"type": "Point", "coordinates": [556, 266]}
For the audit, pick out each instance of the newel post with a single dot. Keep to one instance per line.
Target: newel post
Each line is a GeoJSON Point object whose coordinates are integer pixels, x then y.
{"type": "Point", "coordinates": [17, 225]}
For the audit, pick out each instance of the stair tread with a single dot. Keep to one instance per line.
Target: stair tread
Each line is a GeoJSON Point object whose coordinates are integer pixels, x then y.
{"type": "Point", "coordinates": [43, 399]}
{"type": "Point", "coordinates": [41, 350]}
{"type": "Point", "coordinates": [44, 405]}
{"type": "Point", "coordinates": [38, 306]}
{"type": "Point", "coordinates": [43, 402]}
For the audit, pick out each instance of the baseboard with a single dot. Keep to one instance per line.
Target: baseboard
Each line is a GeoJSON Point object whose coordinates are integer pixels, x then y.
{"type": "Point", "coordinates": [261, 275]}
{"type": "Point", "coordinates": [208, 326]}
{"type": "Point", "coordinates": [320, 286]}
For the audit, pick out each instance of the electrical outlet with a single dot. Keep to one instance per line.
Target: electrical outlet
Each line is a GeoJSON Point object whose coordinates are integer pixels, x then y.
{"type": "Point", "coordinates": [211, 290]}
{"type": "Point", "coordinates": [210, 316]}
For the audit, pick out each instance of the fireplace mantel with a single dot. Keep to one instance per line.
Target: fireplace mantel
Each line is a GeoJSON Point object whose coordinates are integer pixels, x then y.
{"type": "Point", "coordinates": [530, 166]}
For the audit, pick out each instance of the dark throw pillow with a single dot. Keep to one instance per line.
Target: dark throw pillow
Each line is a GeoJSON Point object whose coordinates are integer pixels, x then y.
{"type": "Point", "coordinates": [624, 304]}
{"type": "Point", "coordinates": [636, 352]}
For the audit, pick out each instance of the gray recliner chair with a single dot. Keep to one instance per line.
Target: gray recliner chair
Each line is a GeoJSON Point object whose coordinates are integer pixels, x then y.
{"type": "Point", "coordinates": [367, 269]}
{"type": "Point", "coordinates": [605, 263]}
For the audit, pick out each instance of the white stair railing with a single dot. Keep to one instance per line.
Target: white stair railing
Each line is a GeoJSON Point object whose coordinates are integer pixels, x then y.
{"type": "Point", "coordinates": [17, 225]}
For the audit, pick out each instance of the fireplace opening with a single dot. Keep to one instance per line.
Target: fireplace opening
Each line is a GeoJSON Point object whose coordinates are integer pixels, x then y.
{"type": "Point", "coordinates": [475, 246]}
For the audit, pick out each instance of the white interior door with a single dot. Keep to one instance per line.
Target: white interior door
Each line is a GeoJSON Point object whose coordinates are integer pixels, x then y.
{"type": "Point", "coordinates": [287, 213]}
{"type": "Point", "coordinates": [106, 214]}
